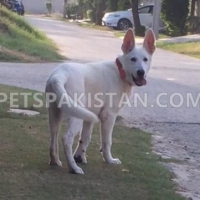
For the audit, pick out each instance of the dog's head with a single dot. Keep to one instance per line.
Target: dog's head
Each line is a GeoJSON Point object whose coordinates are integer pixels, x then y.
{"type": "Point", "coordinates": [136, 61]}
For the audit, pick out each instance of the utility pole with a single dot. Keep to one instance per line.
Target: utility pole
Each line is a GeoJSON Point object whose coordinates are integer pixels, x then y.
{"type": "Point", "coordinates": [156, 17]}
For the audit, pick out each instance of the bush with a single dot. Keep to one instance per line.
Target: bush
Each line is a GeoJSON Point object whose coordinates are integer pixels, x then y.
{"type": "Point", "coordinates": [174, 15]}
{"type": "Point", "coordinates": [193, 24]}
{"type": "Point", "coordinates": [124, 4]}
{"type": "Point", "coordinates": [71, 9]}
{"type": "Point", "coordinates": [89, 14]}
{"type": "Point", "coordinates": [49, 7]}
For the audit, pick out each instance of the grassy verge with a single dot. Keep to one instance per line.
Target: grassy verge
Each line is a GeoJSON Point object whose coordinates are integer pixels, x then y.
{"type": "Point", "coordinates": [97, 27]}
{"type": "Point", "coordinates": [25, 173]}
{"type": "Point", "coordinates": [190, 48]}
{"type": "Point", "coordinates": [21, 42]}
{"type": "Point", "coordinates": [119, 33]}
{"type": "Point", "coordinates": [122, 34]}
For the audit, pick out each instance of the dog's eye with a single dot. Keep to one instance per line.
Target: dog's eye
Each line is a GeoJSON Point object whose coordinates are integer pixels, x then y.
{"type": "Point", "coordinates": [134, 59]}
{"type": "Point", "coordinates": [145, 59]}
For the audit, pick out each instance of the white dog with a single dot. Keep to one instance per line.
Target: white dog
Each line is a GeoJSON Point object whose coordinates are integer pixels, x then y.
{"type": "Point", "coordinates": [111, 77]}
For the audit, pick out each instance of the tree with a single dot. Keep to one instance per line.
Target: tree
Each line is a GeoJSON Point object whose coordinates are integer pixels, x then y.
{"type": "Point", "coordinates": [198, 8]}
{"type": "Point", "coordinates": [193, 4]}
{"type": "Point", "coordinates": [64, 9]}
{"type": "Point", "coordinates": [139, 30]}
{"type": "Point", "coordinates": [174, 14]}
{"type": "Point", "coordinates": [100, 8]}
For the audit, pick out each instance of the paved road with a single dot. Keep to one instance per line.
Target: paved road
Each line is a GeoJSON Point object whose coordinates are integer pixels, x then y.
{"type": "Point", "coordinates": [176, 130]}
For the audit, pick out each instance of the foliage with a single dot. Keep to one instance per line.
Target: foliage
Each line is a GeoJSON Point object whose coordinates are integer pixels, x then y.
{"type": "Point", "coordinates": [124, 4]}
{"type": "Point", "coordinates": [174, 14]}
{"type": "Point", "coordinates": [49, 7]}
{"type": "Point", "coordinates": [99, 7]}
{"type": "Point", "coordinates": [193, 24]}
{"type": "Point", "coordinates": [112, 5]}
{"type": "Point", "coordinates": [89, 14]}
{"type": "Point", "coordinates": [71, 10]}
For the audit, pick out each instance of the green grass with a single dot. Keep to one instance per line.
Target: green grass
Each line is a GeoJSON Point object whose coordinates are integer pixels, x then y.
{"type": "Point", "coordinates": [163, 36]}
{"type": "Point", "coordinates": [191, 48]}
{"type": "Point", "coordinates": [25, 174]}
{"type": "Point", "coordinates": [22, 42]}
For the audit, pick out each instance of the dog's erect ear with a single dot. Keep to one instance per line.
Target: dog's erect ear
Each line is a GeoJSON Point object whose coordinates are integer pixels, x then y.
{"type": "Point", "coordinates": [129, 41]}
{"type": "Point", "coordinates": [149, 41]}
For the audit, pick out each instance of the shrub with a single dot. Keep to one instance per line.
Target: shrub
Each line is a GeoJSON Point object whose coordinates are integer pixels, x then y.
{"type": "Point", "coordinates": [174, 14]}
{"type": "Point", "coordinates": [71, 9]}
{"type": "Point", "coordinates": [89, 14]}
{"type": "Point", "coordinates": [124, 4]}
{"type": "Point", "coordinates": [193, 24]}
{"type": "Point", "coordinates": [49, 7]}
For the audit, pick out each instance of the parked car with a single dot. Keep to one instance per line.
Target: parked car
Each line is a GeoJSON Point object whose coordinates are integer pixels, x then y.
{"type": "Point", "coordinates": [122, 20]}
{"type": "Point", "coordinates": [14, 5]}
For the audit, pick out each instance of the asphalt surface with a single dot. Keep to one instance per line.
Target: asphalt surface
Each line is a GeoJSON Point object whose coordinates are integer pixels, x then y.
{"type": "Point", "coordinates": [176, 130]}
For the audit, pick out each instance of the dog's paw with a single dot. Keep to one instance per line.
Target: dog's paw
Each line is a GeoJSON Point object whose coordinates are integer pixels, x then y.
{"type": "Point", "coordinates": [55, 163]}
{"type": "Point", "coordinates": [77, 170]}
{"type": "Point", "coordinates": [114, 161]}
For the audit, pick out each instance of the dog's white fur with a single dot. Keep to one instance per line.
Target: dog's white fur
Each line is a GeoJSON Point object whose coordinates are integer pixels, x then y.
{"type": "Point", "coordinates": [102, 77]}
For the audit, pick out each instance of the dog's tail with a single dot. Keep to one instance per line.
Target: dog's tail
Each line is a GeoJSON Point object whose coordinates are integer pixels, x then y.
{"type": "Point", "coordinates": [68, 106]}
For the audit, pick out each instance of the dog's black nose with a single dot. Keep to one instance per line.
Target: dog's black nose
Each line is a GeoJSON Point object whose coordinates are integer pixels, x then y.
{"type": "Point", "coordinates": [140, 73]}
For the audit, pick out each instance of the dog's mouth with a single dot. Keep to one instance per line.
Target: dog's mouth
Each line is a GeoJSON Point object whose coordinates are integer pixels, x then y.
{"type": "Point", "coordinates": [139, 81]}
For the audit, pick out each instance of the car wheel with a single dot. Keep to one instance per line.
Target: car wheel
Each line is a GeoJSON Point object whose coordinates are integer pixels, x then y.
{"type": "Point", "coordinates": [124, 24]}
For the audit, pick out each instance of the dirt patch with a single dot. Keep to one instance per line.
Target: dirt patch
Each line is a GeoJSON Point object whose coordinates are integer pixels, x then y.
{"type": "Point", "coordinates": [24, 112]}
{"type": "Point", "coordinates": [170, 144]}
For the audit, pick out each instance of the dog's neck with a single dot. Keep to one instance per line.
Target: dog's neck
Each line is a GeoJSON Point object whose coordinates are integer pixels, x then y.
{"type": "Point", "coordinates": [121, 71]}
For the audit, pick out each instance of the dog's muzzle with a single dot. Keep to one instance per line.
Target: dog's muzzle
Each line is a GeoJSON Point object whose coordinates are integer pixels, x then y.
{"type": "Point", "coordinates": [140, 80]}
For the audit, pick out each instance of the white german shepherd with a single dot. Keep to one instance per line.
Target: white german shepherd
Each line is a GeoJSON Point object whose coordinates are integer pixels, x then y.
{"type": "Point", "coordinates": [111, 77]}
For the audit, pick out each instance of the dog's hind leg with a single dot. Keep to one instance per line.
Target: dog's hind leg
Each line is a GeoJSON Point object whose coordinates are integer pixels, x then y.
{"type": "Point", "coordinates": [74, 128]}
{"type": "Point", "coordinates": [80, 153]}
{"type": "Point", "coordinates": [55, 118]}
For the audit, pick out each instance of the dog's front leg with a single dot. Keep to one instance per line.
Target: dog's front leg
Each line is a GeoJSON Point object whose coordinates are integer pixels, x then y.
{"type": "Point", "coordinates": [107, 124]}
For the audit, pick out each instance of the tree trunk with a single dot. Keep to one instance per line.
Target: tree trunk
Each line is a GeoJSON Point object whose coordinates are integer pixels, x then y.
{"type": "Point", "coordinates": [101, 6]}
{"type": "Point", "coordinates": [139, 30]}
{"type": "Point", "coordinates": [198, 8]}
{"type": "Point", "coordinates": [64, 9]}
{"type": "Point", "coordinates": [193, 3]}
